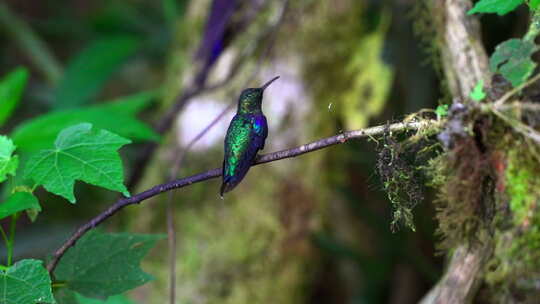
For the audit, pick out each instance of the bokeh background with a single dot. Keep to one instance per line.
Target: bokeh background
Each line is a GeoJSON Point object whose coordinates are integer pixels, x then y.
{"type": "Point", "coordinates": [312, 229]}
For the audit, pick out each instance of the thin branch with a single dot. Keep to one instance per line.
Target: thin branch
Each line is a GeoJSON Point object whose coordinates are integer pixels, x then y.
{"type": "Point", "coordinates": [522, 106]}
{"type": "Point", "coordinates": [265, 158]}
{"type": "Point", "coordinates": [519, 126]}
{"type": "Point", "coordinates": [511, 93]}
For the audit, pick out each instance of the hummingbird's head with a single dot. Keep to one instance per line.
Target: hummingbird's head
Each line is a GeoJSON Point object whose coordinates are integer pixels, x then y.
{"type": "Point", "coordinates": [250, 100]}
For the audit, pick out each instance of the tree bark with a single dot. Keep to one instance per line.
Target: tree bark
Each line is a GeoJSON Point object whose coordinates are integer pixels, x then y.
{"type": "Point", "coordinates": [464, 58]}
{"type": "Point", "coordinates": [465, 63]}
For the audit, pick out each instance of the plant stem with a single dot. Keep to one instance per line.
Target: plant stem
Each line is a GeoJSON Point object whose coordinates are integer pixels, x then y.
{"type": "Point", "coordinates": [534, 27]}
{"type": "Point", "coordinates": [11, 239]}
{"type": "Point", "coordinates": [56, 285]}
{"type": "Point", "coordinates": [4, 235]}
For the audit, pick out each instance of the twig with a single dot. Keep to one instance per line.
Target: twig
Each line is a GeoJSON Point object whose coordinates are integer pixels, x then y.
{"type": "Point", "coordinates": [519, 126]}
{"type": "Point", "coordinates": [527, 106]}
{"type": "Point", "coordinates": [511, 93]}
{"type": "Point", "coordinates": [265, 158]}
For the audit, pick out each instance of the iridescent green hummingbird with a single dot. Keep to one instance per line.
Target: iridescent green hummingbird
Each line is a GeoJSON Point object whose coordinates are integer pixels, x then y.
{"type": "Point", "coordinates": [245, 137]}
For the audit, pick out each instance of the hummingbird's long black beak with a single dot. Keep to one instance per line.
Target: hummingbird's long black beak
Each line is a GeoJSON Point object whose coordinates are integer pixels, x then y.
{"type": "Point", "coordinates": [264, 86]}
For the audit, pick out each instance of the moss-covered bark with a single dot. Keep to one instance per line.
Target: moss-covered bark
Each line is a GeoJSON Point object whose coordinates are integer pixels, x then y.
{"type": "Point", "coordinates": [487, 182]}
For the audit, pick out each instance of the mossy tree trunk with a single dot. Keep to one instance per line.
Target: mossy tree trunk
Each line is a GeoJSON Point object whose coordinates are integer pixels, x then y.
{"type": "Point", "coordinates": [488, 195]}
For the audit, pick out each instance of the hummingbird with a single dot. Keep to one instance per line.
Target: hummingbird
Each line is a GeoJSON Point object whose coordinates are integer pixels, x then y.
{"type": "Point", "coordinates": [245, 137]}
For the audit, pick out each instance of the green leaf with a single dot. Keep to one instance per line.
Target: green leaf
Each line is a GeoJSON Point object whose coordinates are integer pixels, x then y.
{"type": "Point", "coordinates": [116, 116]}
{"type": "Point", "coordinates": [534, 4]}
{"type": "Point", "coordinates": [441, 111]}
{"type": "Point", "coordinates": [118, 299]}
{"type": "Point", "coordinates": [478, 93]}
{"type": "Point", "coordinates": [102, 264]}
{"type": "Point", "coordinates": [501, 7]}
{"type": "Point", "coordinates": [512, 59]}
{"type": "Point", "coordinates": [11, 88]}
{"type": "Point", "coordinates": [129, 105]}
{"type": "Point", "coordinates": [66, 296]}
{"type": "Point", "coordinates": [26, 282]}
{"type": "Point", "coordinates": [8, 161]}
{"type": "Point", "coordinates": [18, 201]}
{"type": "Point", "coordinates": [89, 70]}
{"type": "Point", "coordinates": [79, 153]}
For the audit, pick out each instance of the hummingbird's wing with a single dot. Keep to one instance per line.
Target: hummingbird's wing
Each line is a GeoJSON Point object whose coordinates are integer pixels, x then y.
{"type": "Point", "coordinates": [245, 137]}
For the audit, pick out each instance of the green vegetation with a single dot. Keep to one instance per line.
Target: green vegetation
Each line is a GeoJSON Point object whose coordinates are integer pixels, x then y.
{"type": "Point", "coordinates": [77, 134]}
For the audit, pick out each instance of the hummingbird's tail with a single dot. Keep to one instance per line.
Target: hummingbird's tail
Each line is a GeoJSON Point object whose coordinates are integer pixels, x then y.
{"type": "Point", "coordinates": [225, 187]}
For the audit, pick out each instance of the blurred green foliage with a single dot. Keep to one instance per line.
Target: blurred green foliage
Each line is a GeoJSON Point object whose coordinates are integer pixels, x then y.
{"type": "Point", "coordinates": [88, 71]}
{"type": "Point", "coordinates": [310, 230]}
{"type": "Point", "coordinates": [117, 116]}
{"type": "Point", "coordinates": [11, 88]}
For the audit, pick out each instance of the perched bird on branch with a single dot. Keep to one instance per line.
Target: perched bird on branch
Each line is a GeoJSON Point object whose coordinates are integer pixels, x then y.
{"type": "Point", "coordinates": [245, 137]}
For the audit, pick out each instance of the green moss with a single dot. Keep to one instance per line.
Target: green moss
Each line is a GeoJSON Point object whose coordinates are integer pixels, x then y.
{"type": "Point", "coordinates": [516, 262]}
{"type": "Point", "coordinates": [458, 176]}
{"type": "Point", "coordinates": [523, 186]}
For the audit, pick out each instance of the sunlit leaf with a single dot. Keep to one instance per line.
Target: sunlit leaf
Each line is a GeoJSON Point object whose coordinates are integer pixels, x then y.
{"type": "Point", "coordinates": [478, 93]}
{"type": "Point", "coordinates": [8, 161]}
{"type": "Point", "coordinates": [441, 111]}
{"type": "Point", "coordinates": [501, 7]}
{"type": "Point", "coordinates": [101, 265]}
{"type": "Point", "coordinates": [79, 153]}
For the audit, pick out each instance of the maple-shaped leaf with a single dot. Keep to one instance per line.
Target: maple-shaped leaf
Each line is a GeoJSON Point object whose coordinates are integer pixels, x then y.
{"type": "Point", "coordinates": [105, 264]}
{"type": "Point", "coordinates": [117, 116]}
{"type": "Point", "coordinates": [26, 282]}
{"type": "Point", "coordinates": [79, 153]}
{"type": "Point", "coordinates": [512, 58]}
